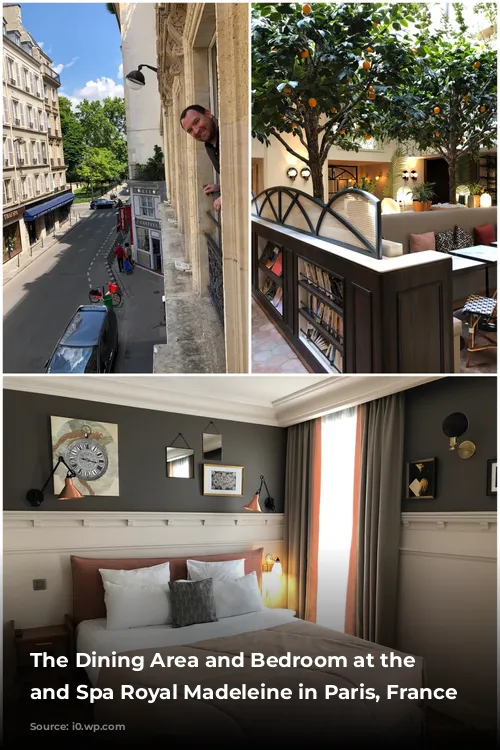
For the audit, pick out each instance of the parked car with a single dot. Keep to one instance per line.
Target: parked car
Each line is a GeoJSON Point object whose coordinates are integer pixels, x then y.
{"type": "Point", "coordinates": [89, 344]}
{"type": "Point", "coordinates": [102, 203]}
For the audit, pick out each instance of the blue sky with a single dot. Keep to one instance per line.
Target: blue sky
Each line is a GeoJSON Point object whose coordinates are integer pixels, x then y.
{"type": "Point", "coordinates": [83, 41]}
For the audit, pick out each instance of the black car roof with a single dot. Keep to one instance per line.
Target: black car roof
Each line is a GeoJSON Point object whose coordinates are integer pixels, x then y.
{"type": "Point", "coordinates": [85, 327]}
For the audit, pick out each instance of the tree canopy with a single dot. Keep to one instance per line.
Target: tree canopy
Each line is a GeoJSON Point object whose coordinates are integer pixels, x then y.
{"type": "Point", "coordinates": [72, 133]}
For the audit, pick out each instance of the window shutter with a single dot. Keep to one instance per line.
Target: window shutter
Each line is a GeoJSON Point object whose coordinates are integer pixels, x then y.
{"type": "Point", "coordinates": [21, 113]}
{"type": "Point", "coordinates": [6, 117]}
{"type": "Point", "coordinates": [11, 151]}
{"type": "Point", "coordinates": [18, 77]}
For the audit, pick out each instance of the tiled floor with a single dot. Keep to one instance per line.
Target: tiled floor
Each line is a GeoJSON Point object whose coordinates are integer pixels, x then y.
{"type": "Point", "coordinates": [270, 352]}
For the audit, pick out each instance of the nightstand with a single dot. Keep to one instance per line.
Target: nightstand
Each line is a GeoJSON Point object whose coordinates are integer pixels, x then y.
{"type": "Point", "coordinates": [50, 639]}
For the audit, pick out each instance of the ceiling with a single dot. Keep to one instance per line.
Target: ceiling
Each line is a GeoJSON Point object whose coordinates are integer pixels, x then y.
{"type": "Point", "coordinates": [279, 400]}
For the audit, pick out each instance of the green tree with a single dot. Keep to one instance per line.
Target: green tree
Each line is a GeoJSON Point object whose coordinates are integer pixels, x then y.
{"type": "Point", "coordinates": [322, 73]}
{"type": "Point", "coordinates": [103, 127]}
{"type": "Point", "coordinates": [154, 169]}
{"type": "Point", "coordinates": [98, 165]}
{"type": "Point", "coordinates": [449, 104]}
{"type": "Point", "coordinates": [73, 141]}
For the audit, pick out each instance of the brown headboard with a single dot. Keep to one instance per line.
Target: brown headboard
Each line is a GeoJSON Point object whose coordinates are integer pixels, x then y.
{"type": "Point", "coordinates": [88, 591]}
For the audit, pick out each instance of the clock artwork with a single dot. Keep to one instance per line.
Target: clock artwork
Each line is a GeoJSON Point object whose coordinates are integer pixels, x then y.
{"type": "Point", "coordinates": [90, 449]}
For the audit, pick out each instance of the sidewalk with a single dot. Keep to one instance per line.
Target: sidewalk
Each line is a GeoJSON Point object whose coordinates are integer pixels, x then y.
{"type": "Point", "coordinates": [17, 264]}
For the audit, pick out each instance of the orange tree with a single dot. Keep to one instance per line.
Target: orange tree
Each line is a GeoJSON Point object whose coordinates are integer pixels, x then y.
{"type": "Point", "coordinates": [323, 74]}
{"type": "Point", "coordinates": [449, 104]}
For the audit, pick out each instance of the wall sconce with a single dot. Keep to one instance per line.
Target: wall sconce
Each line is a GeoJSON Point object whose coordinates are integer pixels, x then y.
{"type": "Point", "coordinates": [254, 504]}
{"type": "Point", "coordinates": [69, 491]}
{"type": "Point", "coordinates": [136, 79]}
{"type": "Point", "coordinates": [305, 172]}
{"type": "Point", "coordinates": [414, 175]}
{"type": "Point", "coordinates": [273, 565]}
{"type": "Point", "coordinates": [405, 175]}
{"type": "Point", "coordinates": [291, 173]}
{"type": "Point", "coordinates": [377, 177]}
{"type": "Point", "coordinates": [454, 427]}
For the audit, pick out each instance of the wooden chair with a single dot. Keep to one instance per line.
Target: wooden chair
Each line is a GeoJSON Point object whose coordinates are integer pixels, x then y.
{"type": "Point", "coordinates": [480, 309]}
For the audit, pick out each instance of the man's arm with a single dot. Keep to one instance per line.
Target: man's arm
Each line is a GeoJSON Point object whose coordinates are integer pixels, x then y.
{"type": "Point", "coordinates": [211, 188]}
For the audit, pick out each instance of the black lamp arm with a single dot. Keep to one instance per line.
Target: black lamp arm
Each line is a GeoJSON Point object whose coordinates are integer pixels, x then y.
{"type": "Point", "coordinates": [147, 66]}
{"type": "Point", "coordinates": [263, 482]}
{"type": "Point", "coordinates": [60, 460]}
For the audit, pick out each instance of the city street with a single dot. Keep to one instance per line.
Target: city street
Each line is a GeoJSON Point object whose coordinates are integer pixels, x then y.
{"type": "Point", "coordinates": [41, 299]}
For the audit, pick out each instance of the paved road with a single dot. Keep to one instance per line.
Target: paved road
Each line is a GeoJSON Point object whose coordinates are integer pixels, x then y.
{"type": "Point", "coordinates": [39, 302]}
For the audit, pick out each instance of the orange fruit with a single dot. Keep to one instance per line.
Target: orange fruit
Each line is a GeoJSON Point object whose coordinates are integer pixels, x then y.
{"type": "Point", "coordinates": [467, 98]}
{"type": "Point", "coordinates": [482, 109]}
{"type": "Point", "coordinates": [436, 110]}
{"type": "Point", "coordinates": [304, 54]}
{"type": "Point", "coordinates": [415, 51]}
{"type": "Point", "coordinates": [312, 102]}
{"type": "Point", "coordinates": [367, 137]}
{"type": "Point", "coordinates": [287, 91]}
{"type": "Point", "coordinates": [367, 65]}
{"type": "Point", "coordinates": [294, 125]}
{"type": "Point", "coordinates": [437, 133]}
{"type": "Point", "coordinates": [306, 9]}
{"type": "Point", "coordinates": [369, 49]}
{"type": "Point", "coordinates": [463, 140]}
{"type": "Point", "coordinates": [370, 88]}
{"type": "Point", "coordinates": [282, 117]}
{"type": "Point", "coordinates": [375, 24]}
{"type": "Point", "coordinates": [477, 64]}
{"type": "Point", "coordinates": [372, 96]}
{"type": "Point", "coordinates": [333, 110]}
{"type": "Point", "coordinates": [341, 132]}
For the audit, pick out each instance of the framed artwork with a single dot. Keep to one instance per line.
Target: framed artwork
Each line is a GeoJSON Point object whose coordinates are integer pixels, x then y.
{"type": "Point", "coordinates": [91, 451]}
{"type": "Point", "coordinates": [225, 481]}
{"type": "Point", "coordinates": [491, 488]}
{"type": "Point", "coordinates": [421, 479]}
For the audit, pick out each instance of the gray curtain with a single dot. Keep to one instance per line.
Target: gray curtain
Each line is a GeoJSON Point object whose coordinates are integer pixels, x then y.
{"type": "Point", "coordinates": [381, 480]}
{"type": "Point", "coordinates": [298, 509]}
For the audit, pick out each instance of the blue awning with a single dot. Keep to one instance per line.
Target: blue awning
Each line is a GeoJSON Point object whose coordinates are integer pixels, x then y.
{"type": "Point", "coordinates": [44, 208]}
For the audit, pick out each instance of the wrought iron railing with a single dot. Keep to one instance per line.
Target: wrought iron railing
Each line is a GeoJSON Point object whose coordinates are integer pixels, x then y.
{"type": "Point", "coordinates": [215, 268]}
{"type": "Point", "coordinates": [351, 218]}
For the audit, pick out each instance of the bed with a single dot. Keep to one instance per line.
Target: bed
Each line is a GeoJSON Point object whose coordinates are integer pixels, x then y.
{"type": "Point", "coordinates": [240, 701]}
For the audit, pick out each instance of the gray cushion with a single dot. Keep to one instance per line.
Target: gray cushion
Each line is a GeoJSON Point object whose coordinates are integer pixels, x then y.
{"type": "Point", "coordinates": [192, 602]}
{"type": "Point", "coordinates": [445, 241]}
{"type": "Point", "coordinates": [463, 238]}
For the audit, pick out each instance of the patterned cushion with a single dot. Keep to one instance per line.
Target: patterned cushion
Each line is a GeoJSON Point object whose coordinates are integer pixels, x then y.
{"type": "Point", "coordinates": [192, 602]}
{"type": "Point", "coordinates": [445, 241]}
{"type": "Point", "coordinates": [463, 238]}
{"type": "Point", "coordinates": [480, 305]}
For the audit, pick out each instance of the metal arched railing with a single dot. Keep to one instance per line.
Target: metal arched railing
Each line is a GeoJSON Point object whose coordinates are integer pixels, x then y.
{"type": "Point", "coordinates": [351, 218]}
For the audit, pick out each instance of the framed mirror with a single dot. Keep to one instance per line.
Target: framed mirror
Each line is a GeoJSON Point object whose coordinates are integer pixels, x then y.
{"type": "Point", "coordinates": [179, 460]}
{"type": "Point", "coordinates": [212, 444]}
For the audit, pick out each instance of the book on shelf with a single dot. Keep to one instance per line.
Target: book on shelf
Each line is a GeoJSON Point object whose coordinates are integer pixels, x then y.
{"type": "Point", "coordinates": [326, 316]}
{"type": "Point", "coordinates": [270, 254]}
{"type": "Point", "coordinates": [277, 266]}
{"type": "Point", "coordinates": [274, 294]}
{"type": "Point", "coordinates": [329, 284]}
{"type": "Point", "coordinates": [329, 351]}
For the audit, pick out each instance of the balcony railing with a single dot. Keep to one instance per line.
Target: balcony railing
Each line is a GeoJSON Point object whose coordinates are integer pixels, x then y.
{"type": "Point", "coordinates": [50, 73]}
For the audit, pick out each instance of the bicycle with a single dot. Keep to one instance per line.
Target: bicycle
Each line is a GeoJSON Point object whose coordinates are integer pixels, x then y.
{"type": "Point", "coordinates": [97, 295]}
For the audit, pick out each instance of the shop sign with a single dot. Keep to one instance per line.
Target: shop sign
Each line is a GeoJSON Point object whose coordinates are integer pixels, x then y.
{"type": "Point", "coordinates": [10, 216]}
{"type": "Point", "coordinates": [148, 224]}
{"type": "Point", "coordinates": [125, 217]}
{"type": "Point", "coordinates": [145, 191]}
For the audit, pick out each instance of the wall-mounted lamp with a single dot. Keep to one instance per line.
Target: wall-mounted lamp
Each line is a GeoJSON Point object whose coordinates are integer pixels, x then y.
{"type": "Point", "coordinates": [454, 427]}
{"type": "Point", "coordinates": [291, 173]}
{"type": "Point", "coordinates": [305, 172]}
{"type": "Point", "coordinates": [377, 177]}
{"type": "Point", "coordinates": [254, 504]}
{"type": "Point", "coordinates": [136, 79]}
{"type": "Point", "coordinates": [405, 175]}
{"type": "Point", "coordinates": [273, 565]}
{"type": "Point", "coordinates": [414, 175]}
{"type": "Point", "coordinates": [69, 491]}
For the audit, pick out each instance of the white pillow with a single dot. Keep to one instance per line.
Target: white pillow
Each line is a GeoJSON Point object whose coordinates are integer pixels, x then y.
{"type": "Point", "coordinates": [237, 597]}
{"type": "Point", "coordinates": [156, 575]}
{"type": "Point", "coordinates": [219, 571]}
{"type": "Point", "coordinates": [137, 606]}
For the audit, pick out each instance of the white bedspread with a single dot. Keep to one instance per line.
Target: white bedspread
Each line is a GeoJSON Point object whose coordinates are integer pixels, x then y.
{"type": "Point", "coordinates": [91, 635]}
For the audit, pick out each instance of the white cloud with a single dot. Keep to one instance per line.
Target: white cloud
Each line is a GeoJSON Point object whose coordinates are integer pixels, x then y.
{"type": "Point", "coordinates": [120, 71]}
{"type": "Point", "coordinates": [59, 68]}
{"type": "Point", "coordinates": [40, 44]}
{"type": "Point", "coordinates": [96, 91]}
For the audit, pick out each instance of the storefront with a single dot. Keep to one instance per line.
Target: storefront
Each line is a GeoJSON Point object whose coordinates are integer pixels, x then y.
{"type": "Point", "coordinates": [12, 242]}
{"type": "Point", "coordinates": [146, 224]}
{"type": "Point", "coordinates": [46, 217]}
{"type": "Point", "coordinates": [148, 243]}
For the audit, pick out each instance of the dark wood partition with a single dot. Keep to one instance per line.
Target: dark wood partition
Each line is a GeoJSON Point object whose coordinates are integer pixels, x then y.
{"type": "Point", "coordinates": [345, 309]}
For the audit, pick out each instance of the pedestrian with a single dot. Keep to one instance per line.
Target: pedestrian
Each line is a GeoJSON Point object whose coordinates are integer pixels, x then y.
{"type": "Point", "coordinates": [128, 252]}
{"type": "Point", "coordinates": [120, 254]}
{"type": "Point", "coordinates": [201, 125]}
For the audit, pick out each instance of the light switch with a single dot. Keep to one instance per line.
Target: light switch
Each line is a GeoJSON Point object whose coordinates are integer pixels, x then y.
{"type": "Point", "coordinates": [39, 584]}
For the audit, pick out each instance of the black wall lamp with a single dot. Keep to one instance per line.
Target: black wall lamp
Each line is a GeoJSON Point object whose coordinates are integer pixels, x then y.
{"type": "Point", "coordinates": [414, 175]}
{"type": "Point", "coordinates": [454, 427]}
{"type": "Point", "coordinates": [405, 175]}
{"type": "Point", "coordinates": [136, 78]}
{"type": "Point", "coordinates": [69, 491]}
{"type": "Point", "coordinates": [254, 504]}
{"type": "Point", "coordinates": [305, 172]}
{"type": "Point", "coordinates": [292, 173]}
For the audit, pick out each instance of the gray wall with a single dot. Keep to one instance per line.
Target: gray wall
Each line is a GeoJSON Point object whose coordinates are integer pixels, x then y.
{"type": "Point", "coordinates": [461, 484]}
{"type": "Point", "coordinates": [142, 437]}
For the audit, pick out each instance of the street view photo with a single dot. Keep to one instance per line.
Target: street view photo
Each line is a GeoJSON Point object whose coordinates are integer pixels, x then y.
{"type": "Point", "coordinates": [115, 217]}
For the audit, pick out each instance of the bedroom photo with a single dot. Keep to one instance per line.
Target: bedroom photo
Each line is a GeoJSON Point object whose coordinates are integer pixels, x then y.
{"type": "Point", "coordinates": [205, 561]}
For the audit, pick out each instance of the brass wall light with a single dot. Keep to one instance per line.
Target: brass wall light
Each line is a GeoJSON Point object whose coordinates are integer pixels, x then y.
{"type": "Point", "coordinates": [414, 175]}
{"type": "Point", "coordinates": [291, 173]}
{"type": "Point", "coordinates": [273, 565]}
{"type": "Point", "coordinates": [254, 504]}
{"type": "Point", "coordinates": [69, 491]}
{"type": "Point", "coordinates": [454, 427]}
{"type": "Point", "coordinates": [405, 175]}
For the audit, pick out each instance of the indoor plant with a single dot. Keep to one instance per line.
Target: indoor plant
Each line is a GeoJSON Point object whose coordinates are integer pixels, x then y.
{"type": "Point", "coordinates": [474, 197]}
{"type": "Point", "coordinates": [422, 196]}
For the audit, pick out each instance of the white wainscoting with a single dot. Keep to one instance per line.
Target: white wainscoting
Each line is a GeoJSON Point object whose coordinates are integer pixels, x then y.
{"type": "Point", "coordinates": [447, 607]}
{"type": "Point", "coordinates": [38, 544]}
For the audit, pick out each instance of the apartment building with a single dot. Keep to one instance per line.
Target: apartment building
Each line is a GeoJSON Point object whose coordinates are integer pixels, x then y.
{"type": "Point", "coordinates": [36, 200]}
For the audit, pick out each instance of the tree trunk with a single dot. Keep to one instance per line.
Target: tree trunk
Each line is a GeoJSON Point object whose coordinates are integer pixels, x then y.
{"type": "Point", "coordinates": [452, 175]}
{"type": "Point", "coordinates": [317, 180]}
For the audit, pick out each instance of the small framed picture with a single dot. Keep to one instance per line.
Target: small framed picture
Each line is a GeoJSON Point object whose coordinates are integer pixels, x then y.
{"type": "Point", "coordinates": [225, 481]}
{"type": "Point", "coordinates": [491, 488]}
{"type": "Point", "coordinates": [421, 479]}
